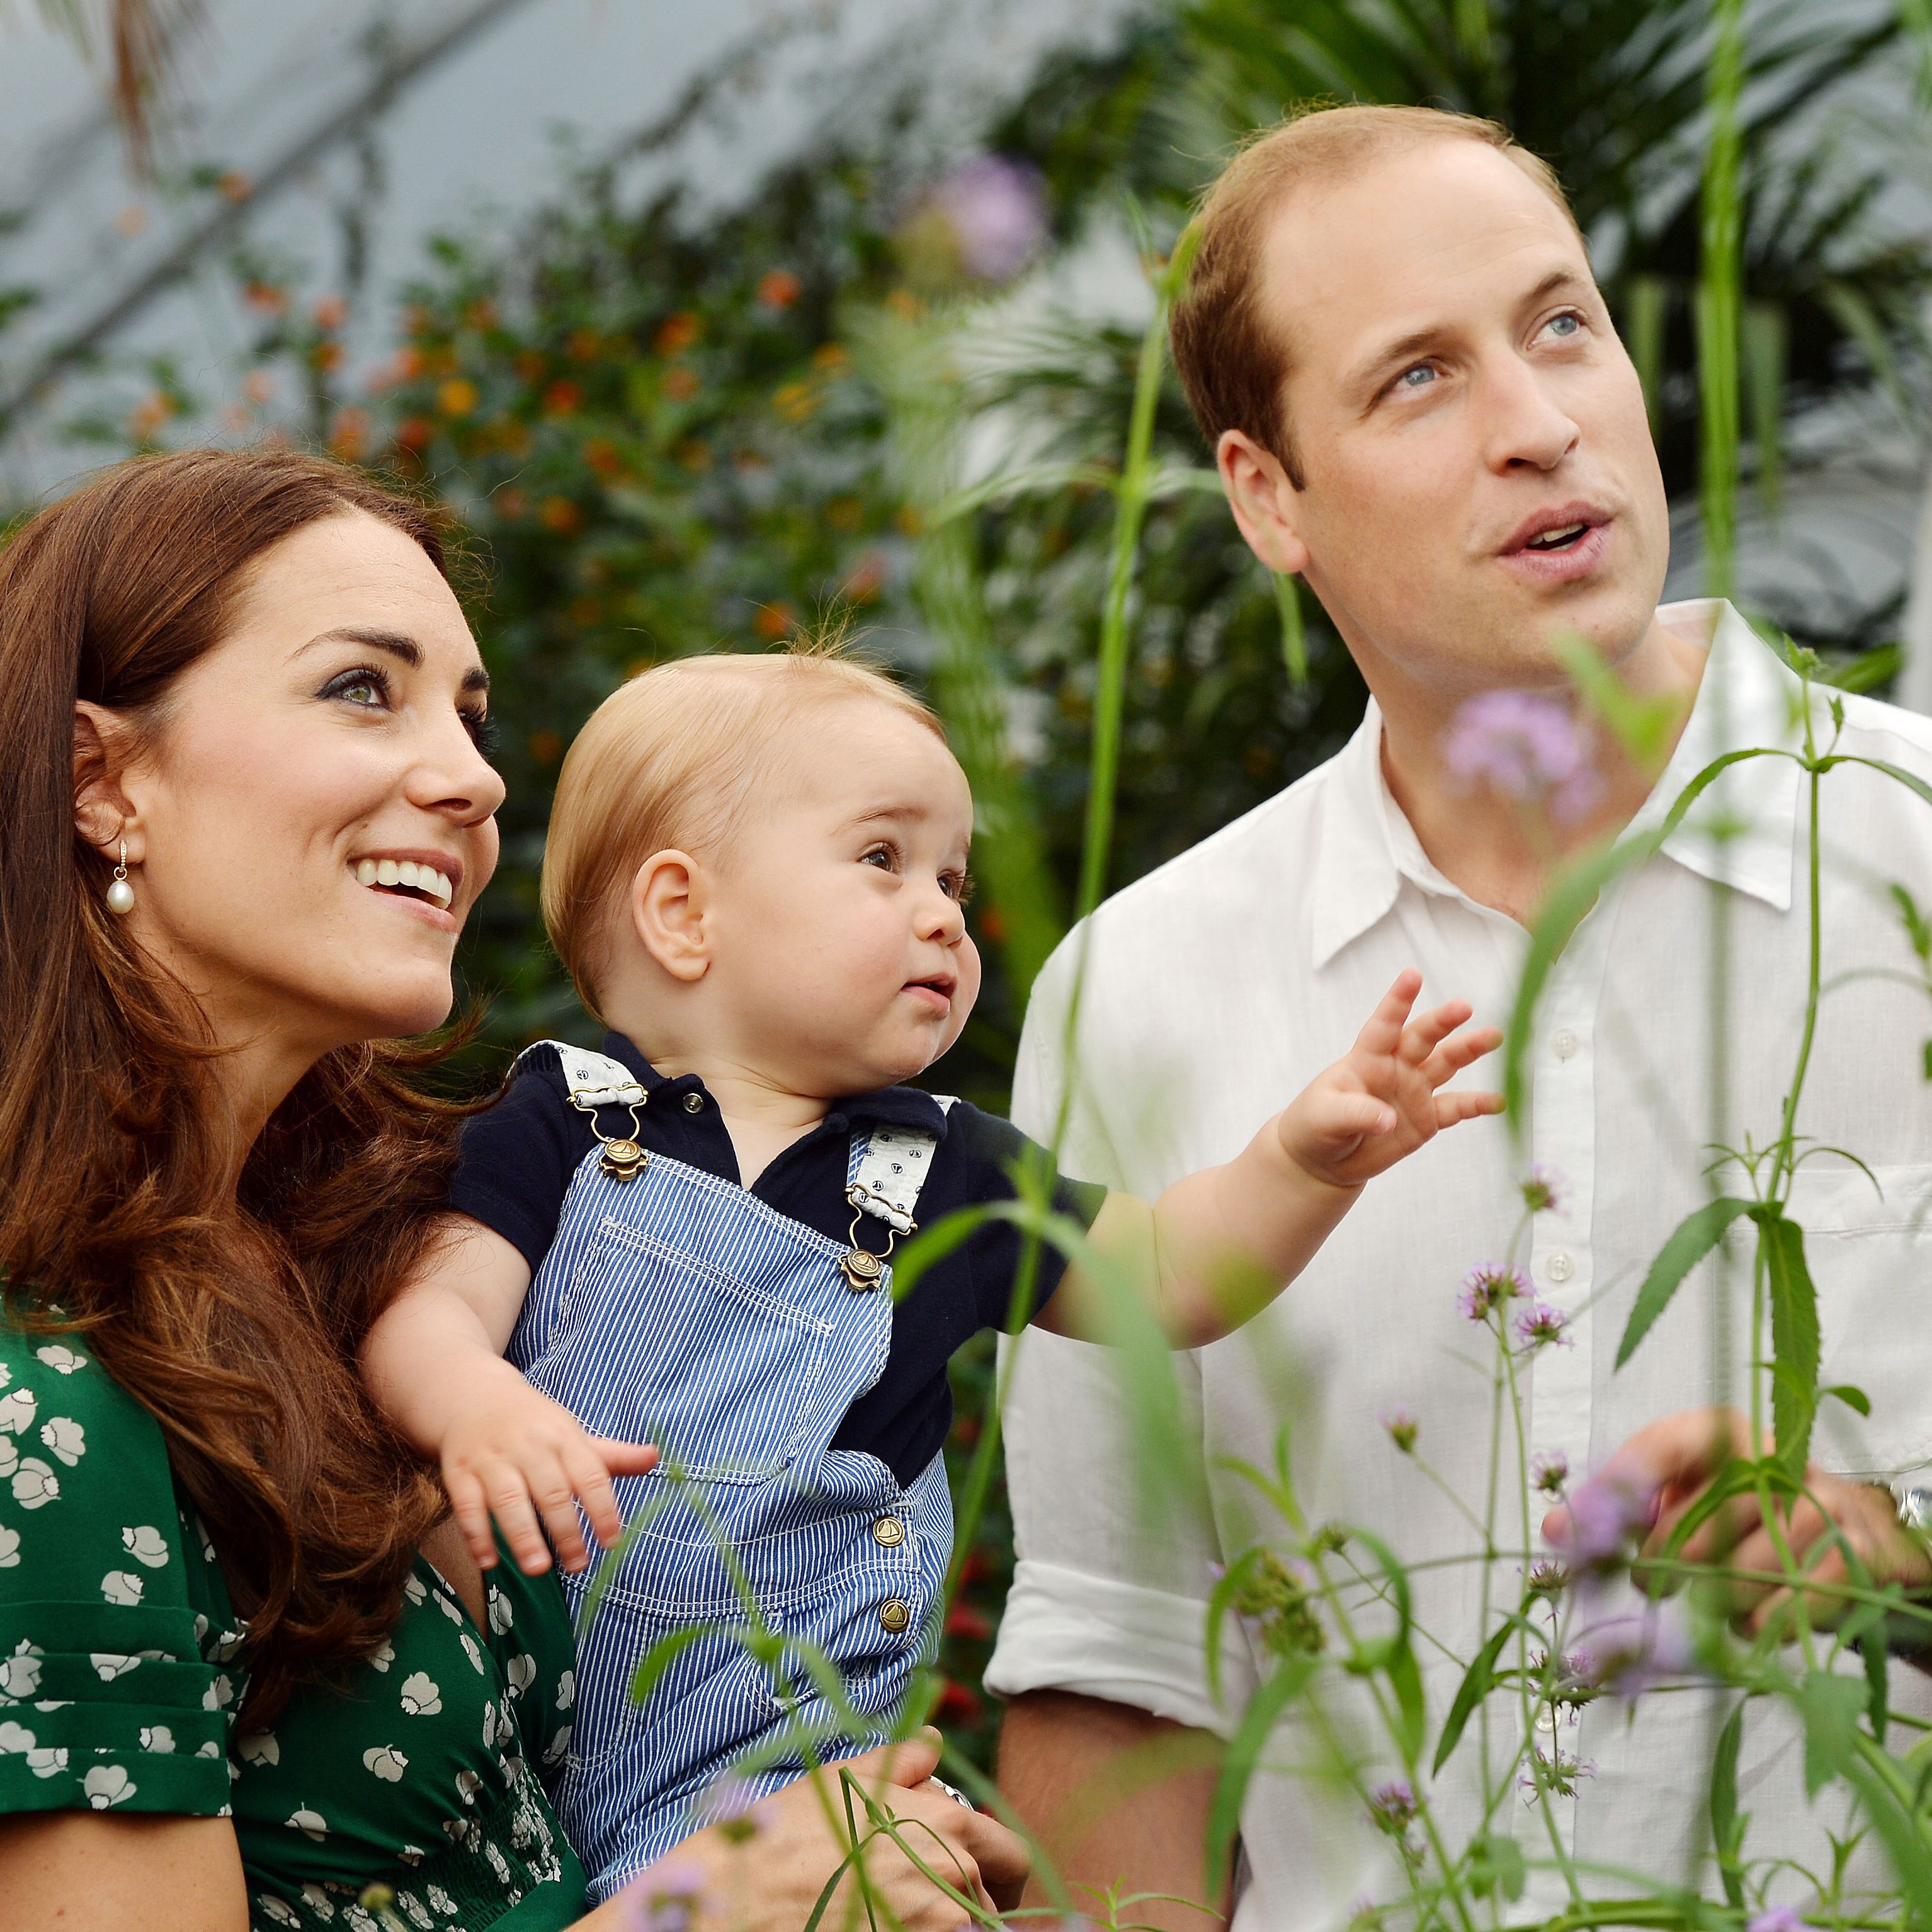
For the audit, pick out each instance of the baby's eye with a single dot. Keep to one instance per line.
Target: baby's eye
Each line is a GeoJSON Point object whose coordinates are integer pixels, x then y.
{"type": "Point", "coordinates": [882, 856]}
{"type": "Point", "coordinates": [957, 886]}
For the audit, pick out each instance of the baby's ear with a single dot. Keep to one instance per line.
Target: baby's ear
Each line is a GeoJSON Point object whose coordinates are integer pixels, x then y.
{"type": "Point", "coordinates": [668, 913]}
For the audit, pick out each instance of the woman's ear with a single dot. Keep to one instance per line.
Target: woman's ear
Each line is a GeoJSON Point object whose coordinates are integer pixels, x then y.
{"type": "Point", "coordinates": [668, 908]}
{"type": "Point", "coordinates": [104, 815]}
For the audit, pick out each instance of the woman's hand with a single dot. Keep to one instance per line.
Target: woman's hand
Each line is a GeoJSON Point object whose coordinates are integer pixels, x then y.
{"type": "Point", "coordinates": [770, 1878]}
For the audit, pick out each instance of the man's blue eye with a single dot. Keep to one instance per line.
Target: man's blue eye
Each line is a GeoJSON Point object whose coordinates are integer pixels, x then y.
{"type": "Point", "coordinates": [1407, 379]}
{"type": "Point", "coordinates": [1567, 324]}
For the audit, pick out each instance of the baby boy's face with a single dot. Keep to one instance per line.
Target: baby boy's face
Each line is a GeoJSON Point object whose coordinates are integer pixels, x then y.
{"type": "Point", "coordinates": [840, 939]}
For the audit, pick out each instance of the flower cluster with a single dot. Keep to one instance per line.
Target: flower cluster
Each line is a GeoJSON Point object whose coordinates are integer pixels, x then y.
{"type": "Point", "coordinates": [1392, 1810]}
{"type": "Point", "coordinates": [1544, 1190]}
{"type": "Point", "coordinates": [664, 1898]}
{"type": "Point", "coordinates": [1548, 1473]}
{"type": "Point", "coordinates": [1602, 1519]}
{"type": "Point", "coordinates": [1402, 1428]}
{"type": "Point", "coordinates": [1558, 1772]}
{"type": "Point", "coordinates": [1528, 747]}
{"type": "Point", "coordinates": [1276, 1601]}
{"type": "Point", "coordinates": [1486, 1289]}
{"type": "Point", "coordinates": [1539, 1324]}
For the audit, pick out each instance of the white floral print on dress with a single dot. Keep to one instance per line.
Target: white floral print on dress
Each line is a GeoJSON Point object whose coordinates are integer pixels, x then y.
{"type": "Point", "coordinates": [157, 1738]}
{"type": "Point", "coordinates": [48, 1761]}
{"type": "Point", "coordinates": [17, 1412]}
{"type": "Point", "coordinates": [107, 1785]}
{"type": "Point", "coordinates": [10, 1547]}
{"type": "Point", "coordinates": [387, 1763]}
{"type": "Point", "coordinates": [34, 1484]}
{"type": "Point", "coordinates": [65, 1439]}
{"type": "Point", "coordinates": [20, 1674]}
{"type": "Point", "coordinates": [64, 1360]}
{"type": "Point", "coordinates": [146, 1545]}
{"type": "Point", "coordinates": [421, 1697]}
{"type": "Point", "coordinates": [310, 1824]}
{"type": "Point", "coordinates": [16, 1738]}
{"type": "Point", "coordinates": [108, 1664]}
{"type": "Point", "coordinates": [122, 1586]}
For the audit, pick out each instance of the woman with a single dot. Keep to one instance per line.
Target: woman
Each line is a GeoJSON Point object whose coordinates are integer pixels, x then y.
{"type": "Point", "coordinates": [245, 1670]}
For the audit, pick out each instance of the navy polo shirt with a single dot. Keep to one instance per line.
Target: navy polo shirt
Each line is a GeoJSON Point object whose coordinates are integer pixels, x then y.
{"type": "Point", "coordinates": [517, 1159]}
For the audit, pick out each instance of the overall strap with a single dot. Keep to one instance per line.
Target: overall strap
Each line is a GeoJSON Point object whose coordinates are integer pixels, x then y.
{"type": "Point", "coordinates": [594, 1080]}
{"type": "Point", "coordinates": [890, 1166]}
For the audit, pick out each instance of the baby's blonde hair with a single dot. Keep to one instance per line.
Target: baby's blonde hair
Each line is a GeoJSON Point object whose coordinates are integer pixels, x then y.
{"type": "Point", "coordinates": [669, 760]}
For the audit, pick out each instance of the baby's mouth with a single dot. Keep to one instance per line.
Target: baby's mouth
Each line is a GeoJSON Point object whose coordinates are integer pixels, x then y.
{"type": "Point", "coordinates": [404, 878]}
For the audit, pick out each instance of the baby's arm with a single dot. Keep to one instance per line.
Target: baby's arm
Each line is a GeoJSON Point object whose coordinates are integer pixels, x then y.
{"type": "Point", "coordinates": [1219, 1245]}
{"type": "Point", "coordinates": [433, 1362]}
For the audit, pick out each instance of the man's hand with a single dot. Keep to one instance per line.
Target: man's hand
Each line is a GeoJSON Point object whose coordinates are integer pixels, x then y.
{"type": "Point", "coordinates": [1382, 1100]}
{"type": "Point", "coordinates": [1667, 1467]}
{"type": "Point", "coordinates": [513, 1453]}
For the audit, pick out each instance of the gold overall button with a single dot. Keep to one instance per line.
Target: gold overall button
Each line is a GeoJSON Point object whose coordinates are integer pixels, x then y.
{"type": "Point", "coordinates": [623, 1160]}
{"type": "Point", "coordinates": [894, 1615]}
{"type": "Point", "coordinates": [863, 1270]}
{"type": "Point", "coordinates": [888, 1532]}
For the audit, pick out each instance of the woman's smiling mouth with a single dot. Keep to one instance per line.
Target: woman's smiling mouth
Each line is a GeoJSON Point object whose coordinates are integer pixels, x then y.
{"type": "Point", "coordinates": [407, 878]}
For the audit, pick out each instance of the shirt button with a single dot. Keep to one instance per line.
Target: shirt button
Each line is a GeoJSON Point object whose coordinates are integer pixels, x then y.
{"type": "Point", "coordinates": [694, 1103]}
{"type": "Point", "coordinates": [894, 1615]}
{"type": "Point", "coordinates": [1559, 1268]}
{"type": "Point", "coordinates": [888, 1532]}
{"type": "Point", "coordinates": [1565, 1043]}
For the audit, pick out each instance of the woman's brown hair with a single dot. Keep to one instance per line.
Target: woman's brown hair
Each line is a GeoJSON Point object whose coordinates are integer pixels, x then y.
{"type": "Point", "coordinates": [237, 1330]}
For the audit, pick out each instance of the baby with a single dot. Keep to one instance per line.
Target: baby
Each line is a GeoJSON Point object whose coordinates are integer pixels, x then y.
{"type": "Point", "coordinates": [757, 873]}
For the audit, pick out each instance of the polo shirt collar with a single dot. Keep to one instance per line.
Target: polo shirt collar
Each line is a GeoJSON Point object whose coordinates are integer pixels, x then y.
{"type": "Point", "coordinates": [1748, 696]}
{"type": "Point", "coordinates": [888, 1106]}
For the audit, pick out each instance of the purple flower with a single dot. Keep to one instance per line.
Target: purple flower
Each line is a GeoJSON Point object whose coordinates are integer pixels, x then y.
{"type": "Point", "coordinates": [993, 207]}
{"type": "Point", "coordinates": [1632, 1655]}
{"type": "Point", "coordinates": [1544, 1190]}
{"type": "Point", "coordinates": [741, 1809]}
{"type": "Point", "coordinates": [1778, 1918]}
{"type": "Point", "coordinates": [1539, 1324]}
{"type": "Point", "coordinates": [1527, 747]}
{"type": "Point", "coordinates": [1393, 1806]}
{"type": "Point", "coordinates": [1485, 1289]}
{"type": "Point", "coordinates": [1402, 1428]}
{"type": "Point", "coordinates": [1560, 1774]}
{"type": "Point", "coordinates": [1604, 1516]}
{"type": "Point", "coordinates": [1548, 1473]}
{"type": "Point", "coordinates": [663, 1897]}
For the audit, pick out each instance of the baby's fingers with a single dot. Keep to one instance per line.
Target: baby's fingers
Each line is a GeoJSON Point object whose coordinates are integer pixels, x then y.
{"type": "Point", "coordinates": [590, 1465]}
{"type": "Point", "coordinates": [555, 1490]}
{"type": "Point", "coordinates": [471, 1508]}
{"type": "Point", "coordinates": [1382, 1036]}
{"type": "Point", "coordinates": [510, 1504]}
{"type": "Point", "coordinates": [1427, 1031]}
{"type": "Point", "coordinates": [1338, 1114]}
{"type": "Point", "coordinates": [1452, 1108]}
{"type": "Point", "coordinates": [1459, 1051]}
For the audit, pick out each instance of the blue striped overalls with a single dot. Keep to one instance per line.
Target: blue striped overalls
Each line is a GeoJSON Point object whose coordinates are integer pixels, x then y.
{"type": "Point", "coordinates": [676, 1308]}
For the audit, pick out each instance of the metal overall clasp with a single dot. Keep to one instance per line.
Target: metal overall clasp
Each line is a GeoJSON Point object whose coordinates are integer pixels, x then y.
{"type": "Point", "coordinates": [863, 1269]}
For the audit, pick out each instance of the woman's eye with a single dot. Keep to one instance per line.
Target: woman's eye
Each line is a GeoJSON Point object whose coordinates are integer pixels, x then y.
{"type": "Point", "coordinates": [369, 688]}
{"type": "Point", "coordinates": [484, 732]}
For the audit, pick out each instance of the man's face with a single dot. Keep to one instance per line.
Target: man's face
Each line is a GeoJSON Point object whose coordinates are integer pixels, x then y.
{"type": "Point", "coordinates": [1459, 402]}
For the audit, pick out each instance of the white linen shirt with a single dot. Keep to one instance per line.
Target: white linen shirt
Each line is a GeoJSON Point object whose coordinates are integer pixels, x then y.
{"type": "Point", "coordinates": [1220, 985]}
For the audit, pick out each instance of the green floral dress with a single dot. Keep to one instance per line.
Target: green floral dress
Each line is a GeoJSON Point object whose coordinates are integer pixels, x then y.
{"type": "Point", "coordinates": [119, 1684]}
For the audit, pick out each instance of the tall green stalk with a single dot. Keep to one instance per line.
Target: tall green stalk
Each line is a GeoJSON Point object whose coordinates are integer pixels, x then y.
{"type": "Point", "coordinates": [1720, 296]}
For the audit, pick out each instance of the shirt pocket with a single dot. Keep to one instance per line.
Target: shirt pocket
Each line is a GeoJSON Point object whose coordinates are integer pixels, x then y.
{"type": "Point", "coordinates": [654, 1345]}
{"type": "Point", "coordinates": [1869, 1249]}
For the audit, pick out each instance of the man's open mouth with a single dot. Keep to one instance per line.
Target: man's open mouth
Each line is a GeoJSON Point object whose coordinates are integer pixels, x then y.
{"type": "Point", "coordinates": [1559, 539]}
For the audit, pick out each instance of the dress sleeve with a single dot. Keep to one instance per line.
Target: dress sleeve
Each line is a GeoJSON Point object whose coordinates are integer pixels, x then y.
{"type": "Point", "coordinates": [517, 1159]}
{"type": "Point", "coordinates": [107, 1701]}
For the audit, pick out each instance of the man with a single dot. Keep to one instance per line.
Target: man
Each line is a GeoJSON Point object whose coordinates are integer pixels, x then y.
{"type": "Point", "coordinates": [1418, 403]}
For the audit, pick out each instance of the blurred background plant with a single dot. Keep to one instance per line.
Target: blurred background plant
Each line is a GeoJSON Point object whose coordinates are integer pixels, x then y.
{"type": "Point", "coordinates": [886, 381]}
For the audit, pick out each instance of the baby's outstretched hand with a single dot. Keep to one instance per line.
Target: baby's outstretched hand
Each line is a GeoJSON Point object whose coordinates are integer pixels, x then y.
{"type": "Point", "coordinates": [519, 1456]}
{"type": "Point", "coordinates": [1383, 1099]}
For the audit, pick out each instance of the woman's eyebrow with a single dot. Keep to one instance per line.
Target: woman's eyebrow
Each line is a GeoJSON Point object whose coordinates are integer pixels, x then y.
{"type": "Point", "coordinates": [394, 643]}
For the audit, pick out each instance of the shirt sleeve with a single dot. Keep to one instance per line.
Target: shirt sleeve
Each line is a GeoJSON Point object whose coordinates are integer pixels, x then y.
{"type": "Point", "coordinates": [1111, 1589]}
{"type": "Point", "coordinates": [997, 1148]}
{"type": "Point", "coordinates": [516, 1160]}
{"type": "Point", "coordinates": [107, 1701]}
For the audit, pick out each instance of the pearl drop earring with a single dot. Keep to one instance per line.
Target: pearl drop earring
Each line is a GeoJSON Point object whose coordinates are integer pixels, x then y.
{"type": "Point", "coordinates": [121, 894]}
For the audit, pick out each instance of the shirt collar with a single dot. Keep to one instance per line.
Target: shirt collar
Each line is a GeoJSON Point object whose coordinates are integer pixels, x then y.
{"type": "Point", "coordinates": [889, 1106]}
{"type": "Point", "coordinates": [1747, 697]}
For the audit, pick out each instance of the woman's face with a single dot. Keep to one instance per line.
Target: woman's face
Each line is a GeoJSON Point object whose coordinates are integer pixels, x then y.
{"type": "Point", "coordinates": [324, 753]}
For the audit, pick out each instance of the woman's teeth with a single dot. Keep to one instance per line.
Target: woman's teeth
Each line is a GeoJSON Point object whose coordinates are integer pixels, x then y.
{"type": "Point", "coordinates": [407, 874]}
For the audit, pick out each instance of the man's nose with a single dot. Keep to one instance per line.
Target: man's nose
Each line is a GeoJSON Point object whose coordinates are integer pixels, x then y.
{"type": "Point", "coordinates": [1528, 427]}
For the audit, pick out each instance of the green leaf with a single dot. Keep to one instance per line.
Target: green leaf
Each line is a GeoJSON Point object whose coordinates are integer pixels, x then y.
{"type": "Point", "coordinates": [1470, 1692]}
{"type": "Point", "coordinates": [662, 1655]}
{"type": "Point", "coordinates": [1496, 1865]}
{"type": "Point", "coordinates": [1794, 1336]}
{"type": "Point", "coordinates": [1727, 1827]}
{"type": "Point", "coordinates": [1852, 1398]}
{"type": "Point", "coordinates": [1412, 1713]}
{"type": "Point", "coordinates": [1918, 928]}
{"type": "Point", "coordinates": [1237, 1768]}
{"type": "Point", "coordinates": [1691, 1240]}
{"type": "Point", "coordinates": [1878, 1688]}
{"type": "Point", "coordinates": [1831, 1706]}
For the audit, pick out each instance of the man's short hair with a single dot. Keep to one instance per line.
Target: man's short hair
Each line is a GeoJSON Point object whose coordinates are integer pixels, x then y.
{"type": "Point", "coordinates": [1232, 356]}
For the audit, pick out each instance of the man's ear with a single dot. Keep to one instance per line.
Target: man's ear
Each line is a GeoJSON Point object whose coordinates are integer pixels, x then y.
{"type": "Point", "coordinates": [667, 907]}
{"type": "Point", "coordinates": [1266, 506]}
{"type": "Point", "coordinates": [104, 815]}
